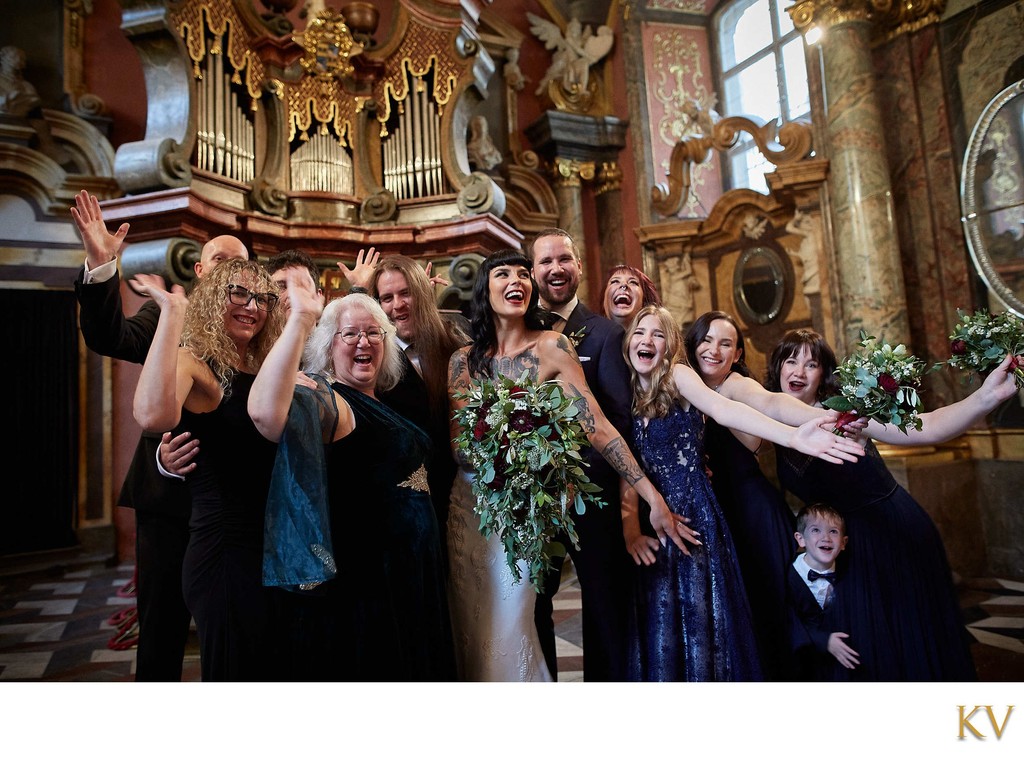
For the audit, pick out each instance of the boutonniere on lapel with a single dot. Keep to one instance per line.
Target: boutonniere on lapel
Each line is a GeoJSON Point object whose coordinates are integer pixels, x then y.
{"type": "Point", "coordinates": [577, 336]}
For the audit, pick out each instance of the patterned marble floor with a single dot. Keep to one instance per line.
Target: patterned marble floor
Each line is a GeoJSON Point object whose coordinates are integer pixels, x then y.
{"type": "Point", "coordinates": [53, 626]}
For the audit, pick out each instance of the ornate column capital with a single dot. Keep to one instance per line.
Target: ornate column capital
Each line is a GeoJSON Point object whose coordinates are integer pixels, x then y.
{"type": "Point", "coordinates": [889, 17]}
{"type": "Point", "coordinates": [826, 14]}
{"type": "Point", "coordinates": [569, 172]}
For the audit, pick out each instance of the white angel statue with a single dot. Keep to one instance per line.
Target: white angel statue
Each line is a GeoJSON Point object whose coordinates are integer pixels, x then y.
{"type": "Point", "coordinates": [576, 52]}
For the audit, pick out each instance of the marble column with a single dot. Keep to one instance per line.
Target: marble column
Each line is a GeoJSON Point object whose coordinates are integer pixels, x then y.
{"type": "Point", "coordinates": [867, 254]}
{"type": "Point", "coordinates": [569, 175]}
{"type": "Point", "coordinates": [608, 197]}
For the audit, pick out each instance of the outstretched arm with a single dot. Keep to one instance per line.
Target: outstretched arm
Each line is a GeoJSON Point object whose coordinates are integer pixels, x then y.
{"type": "Point", "coordinates": [810, 438]}
{"type": "Point", "coordinates": [953, 420]}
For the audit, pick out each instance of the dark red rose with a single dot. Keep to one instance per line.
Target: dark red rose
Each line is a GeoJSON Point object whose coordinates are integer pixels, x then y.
{"type": "Point", "coordinates": [958, 347]}
{"type": "Point", "coordinates": [481, 429]}
{"type": "Point", "coordinates": [522, 422]}
{"type": "Point", "coordinates": [504, 441]}
{"type": "Point", "coordinates": [499, 475]}
{"type": "Point", "coordinates": [1014, 363]}
{"type": "Point", "coordinates": [516, 390]}
{"type": "Point", "coordinates": [887, 383]}
{"type": "Point", "coordinates": [845, 418]}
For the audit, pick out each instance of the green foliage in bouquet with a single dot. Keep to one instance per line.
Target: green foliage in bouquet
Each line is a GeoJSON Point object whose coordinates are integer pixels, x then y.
{"type": "Point", "coordinates": [881, 382]}
{"type": "Point", "coordinates": [981, 341]}
{"type": "Point", "coordinates": [523, 441]}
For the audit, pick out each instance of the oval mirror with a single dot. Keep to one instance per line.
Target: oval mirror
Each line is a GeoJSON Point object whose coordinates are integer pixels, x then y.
{"type": "Point", "coordinates": [992, 196]}
{"type": "Point", "coordinates": [759, 284]}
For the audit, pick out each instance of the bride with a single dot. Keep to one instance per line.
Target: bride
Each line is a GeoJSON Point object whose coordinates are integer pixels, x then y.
{"type": "Point", "coordinates": [495, 635]}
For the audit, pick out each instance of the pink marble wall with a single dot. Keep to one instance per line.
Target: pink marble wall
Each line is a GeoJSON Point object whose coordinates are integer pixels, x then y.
{"type": "Point", "coordinates": [936, 265]}
{"type": "Point", "coordinates": [677, 66]}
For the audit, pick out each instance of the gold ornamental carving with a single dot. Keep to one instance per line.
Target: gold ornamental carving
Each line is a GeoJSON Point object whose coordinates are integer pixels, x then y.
{"type": "Point", "coordinates": [609, 178]}
{"type": "Point", "coordinates": [569, 172]}
{"type": "Point", "coordinates": [890, 18]}
{"type": "Point", "coordinates": [220, 18]}
{"type": "Point", "coordinates": [328, 46]}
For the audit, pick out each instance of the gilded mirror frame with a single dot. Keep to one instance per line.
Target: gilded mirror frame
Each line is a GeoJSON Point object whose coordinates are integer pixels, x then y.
{"type": "Point", "coordinates": [978, 169]}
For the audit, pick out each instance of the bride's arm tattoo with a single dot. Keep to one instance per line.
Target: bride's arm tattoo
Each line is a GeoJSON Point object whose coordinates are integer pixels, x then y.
{"type": "Point", "coordinates": [567, 347]}
{"type": "Point", "coordinates": [458, 373]}
{"type": "Point", "coordinates": [586, 417]}
{"type": "Point", "coordinates": [621, 459]}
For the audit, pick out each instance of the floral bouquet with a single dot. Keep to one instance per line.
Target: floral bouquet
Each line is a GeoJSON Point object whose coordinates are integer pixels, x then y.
{"type": "Point", "coordinates": [523, 441]}
{"type": "Point", "coordinates": [981, 341]}
{"type": "Point", "coordinates": [880, 382]}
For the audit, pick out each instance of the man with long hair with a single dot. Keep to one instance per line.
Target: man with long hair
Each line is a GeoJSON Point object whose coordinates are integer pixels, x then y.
{"type": "Point", "coordinates": [404, 291]}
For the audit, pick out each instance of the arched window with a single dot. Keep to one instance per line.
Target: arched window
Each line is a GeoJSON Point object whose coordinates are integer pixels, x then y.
{"type": "Point", "coordinates": [763, 75]}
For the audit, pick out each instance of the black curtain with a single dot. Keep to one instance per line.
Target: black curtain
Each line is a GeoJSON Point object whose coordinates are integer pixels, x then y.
{"type": "Point", "coordinates": [39, 476]}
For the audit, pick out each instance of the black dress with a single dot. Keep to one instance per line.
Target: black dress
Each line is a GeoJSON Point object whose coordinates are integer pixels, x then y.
{"type": "Point", "coordinates": [898, 599]}
{"type": "Point", "coordinates": [384, 617]}
{"type": "Point", "coordinates": [222, 572]}
{"type": "Point", "coordinates": [762, 528]}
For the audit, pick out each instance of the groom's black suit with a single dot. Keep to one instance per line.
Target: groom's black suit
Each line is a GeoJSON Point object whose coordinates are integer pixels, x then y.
{"type": "Point", "coordinates": [602, 563]}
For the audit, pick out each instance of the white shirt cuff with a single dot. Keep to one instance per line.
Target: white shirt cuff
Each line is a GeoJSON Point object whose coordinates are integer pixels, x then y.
{"type": "Point", "coordinates": [104, 272]}
{"type": "Point", "coordinates": [160, 467]}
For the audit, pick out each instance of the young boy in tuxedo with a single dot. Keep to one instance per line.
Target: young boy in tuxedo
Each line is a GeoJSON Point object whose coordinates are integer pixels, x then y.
{"type": "Point", "coordinates": [821, 651]}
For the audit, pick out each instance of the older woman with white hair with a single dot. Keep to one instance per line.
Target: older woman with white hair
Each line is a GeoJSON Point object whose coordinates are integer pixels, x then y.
{"type": "Point", "coordinates": [384, 614]}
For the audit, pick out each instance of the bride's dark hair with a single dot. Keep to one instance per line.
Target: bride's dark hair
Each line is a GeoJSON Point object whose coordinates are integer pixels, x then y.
{"type": "Point", "coordinates": [482, 332]}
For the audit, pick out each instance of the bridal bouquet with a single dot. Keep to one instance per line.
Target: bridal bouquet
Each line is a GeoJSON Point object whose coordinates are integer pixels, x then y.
{"type": "Point", "coordinates": [523, 441]}
{"type": "Point", "coordinates": [880, 382]}
{"type": "Point", "coordinates": [981, 341]}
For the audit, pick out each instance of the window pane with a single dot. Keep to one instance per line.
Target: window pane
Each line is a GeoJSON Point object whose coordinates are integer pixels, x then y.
{"type": "Point", "coordinates": [795, 66]}
{"type": "Point", "coordinates": [745, 29]}
{"type": "Point", "coordinates": [785, 22]}
{"type": "Point", "coordinates": [754, 91]}
{"type": "Point", "coordinates": [748, 168]}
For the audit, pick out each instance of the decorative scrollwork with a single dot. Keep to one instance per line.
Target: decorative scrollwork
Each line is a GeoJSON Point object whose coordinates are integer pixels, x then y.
{"type": "Point", "coordinates": [790, 142]}
{"type": "Point", "coordinates": [378, 208]}
{"type": "Point", "coordinates": [328, 46]}
{"type": "Point", "coordinates": [269, 198]}
{"type": "Point", "coordinates": [481, 195]}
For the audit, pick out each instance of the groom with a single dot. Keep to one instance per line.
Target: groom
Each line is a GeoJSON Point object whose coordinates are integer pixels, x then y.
{"type": "Point", "coordinates": [602, 563]}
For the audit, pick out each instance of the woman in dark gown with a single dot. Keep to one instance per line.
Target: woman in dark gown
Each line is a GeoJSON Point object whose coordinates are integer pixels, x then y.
{"type": "Point", "coordinates": [384, 616]}
{"type": "Point", "coordinates": [759, 519]}
{"type": "Point", "coordinates": [894, 585]}
{"type": "Point", "coordinates": [691, 619]}
{"type": "Point", "coordinates": [226, 329]}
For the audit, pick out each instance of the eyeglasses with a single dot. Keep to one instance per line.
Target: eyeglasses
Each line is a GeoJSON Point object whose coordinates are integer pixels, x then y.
{"type": "Point", "coordinates": [241, 296]}
{"type": "Point", "coordinates": [350, 336]}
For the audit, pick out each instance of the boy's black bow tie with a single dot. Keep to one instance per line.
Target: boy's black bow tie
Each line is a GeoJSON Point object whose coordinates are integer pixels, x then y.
{"type": "Point", "coordinates": [813, 575]}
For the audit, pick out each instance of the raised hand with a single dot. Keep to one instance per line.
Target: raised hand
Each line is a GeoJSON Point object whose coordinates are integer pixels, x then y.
{"type": "Point", "coordinates": [436, 280]}
{"type": "Point", "coordinates": [152, 286]}
{"type": "Point", "coordinates": [101, 246]}
{"type": "Point", "coordinates": [362, 274]}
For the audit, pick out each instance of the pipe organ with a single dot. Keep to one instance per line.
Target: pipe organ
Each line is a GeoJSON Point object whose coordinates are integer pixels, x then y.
{"type": "Point", "coordinates": [321, 138]}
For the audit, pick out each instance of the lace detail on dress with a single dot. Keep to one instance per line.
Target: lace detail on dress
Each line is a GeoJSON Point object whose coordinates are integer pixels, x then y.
{"type": "Point", "coordinates": [417, 480]}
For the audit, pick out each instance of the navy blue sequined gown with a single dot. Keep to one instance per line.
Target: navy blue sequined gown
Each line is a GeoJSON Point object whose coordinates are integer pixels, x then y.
{"type": "Point", "coordinates": [762, 528]}
{"type": "Point", "coordinates": [898, 599]}
{"type": "Point", "coordinates": [690, 619]}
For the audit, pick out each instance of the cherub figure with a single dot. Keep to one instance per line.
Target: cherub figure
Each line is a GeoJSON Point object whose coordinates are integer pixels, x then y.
{"type": "Point", "coordinates": [576, 51]}
{"type": "Point", "coordinates": [514, 77]}
{"type": "Point", "coordinates": [483, 154]}
{"type": "Point", "coordinates": [700, 117]}
{"type": "Point", "coordinates": [809, 227]}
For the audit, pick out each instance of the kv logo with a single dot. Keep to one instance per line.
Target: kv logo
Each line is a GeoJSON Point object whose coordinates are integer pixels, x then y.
{"type": "Point", "coordinates": [967, 724]}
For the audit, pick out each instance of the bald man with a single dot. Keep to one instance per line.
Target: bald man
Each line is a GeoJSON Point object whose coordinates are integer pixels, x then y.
{"type": "Point", "coordinates": [162, 506]}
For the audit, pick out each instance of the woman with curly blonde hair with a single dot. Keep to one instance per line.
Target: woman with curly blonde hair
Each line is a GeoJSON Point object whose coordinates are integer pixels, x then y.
{"type": "Point", "coordinates": [197, 376]}
{"type": "Point", "coordinates": [691, 620]}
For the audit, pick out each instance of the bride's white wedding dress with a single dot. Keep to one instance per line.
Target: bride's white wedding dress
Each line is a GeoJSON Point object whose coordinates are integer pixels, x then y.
{"type": "Point", "coordinates": [492, 615]}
